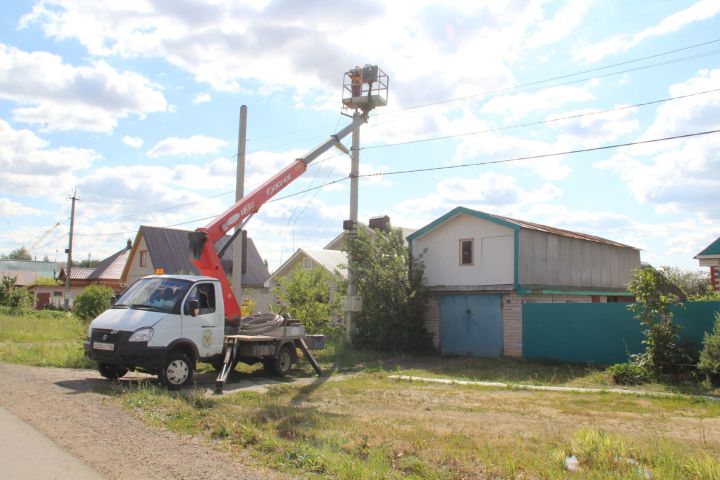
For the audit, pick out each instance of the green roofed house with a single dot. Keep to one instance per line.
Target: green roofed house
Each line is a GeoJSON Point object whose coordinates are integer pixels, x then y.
{"type": "Point", "coordinates": [482, 268]}
{"type": "Point", "coordinates": [710, 257]}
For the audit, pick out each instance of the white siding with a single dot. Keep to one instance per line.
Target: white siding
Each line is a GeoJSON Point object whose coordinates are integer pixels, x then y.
{"type": "Point", "coordinates": [493, 254]}
{"type": "Point", "coordinates": [135, 271]}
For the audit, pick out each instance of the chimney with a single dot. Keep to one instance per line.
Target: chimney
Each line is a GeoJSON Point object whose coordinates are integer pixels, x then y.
{"type": "Point", "coordinates": [380, 223]}
{"type": "Point", "coordinates": [129, 244]}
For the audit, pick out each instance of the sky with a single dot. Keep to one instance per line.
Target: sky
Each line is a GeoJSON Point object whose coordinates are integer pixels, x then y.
{"type": "Point", "coordinates": [135, 106]}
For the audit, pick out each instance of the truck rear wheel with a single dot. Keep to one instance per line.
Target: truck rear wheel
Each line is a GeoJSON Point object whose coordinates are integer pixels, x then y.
{"type": "Point", "coordinates": [280, 365]}
{"type": "Point", "coordinates": [177, 372]}
{"type": "Point", "coordinates": [111, 372]}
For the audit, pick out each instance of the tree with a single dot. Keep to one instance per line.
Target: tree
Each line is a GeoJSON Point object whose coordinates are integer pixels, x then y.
{"type": "Point", "coordinates": [709, 364]}
{"type": "Point", "coordinates": [21, 253]}
{"type": "Point", "coordinates": [653, 305]}
{"type": "Point", "coordinates": [310, 296]}
{"type": "Point", "coordinates": [391, 284]}
{"type": "Point", "coordinates": [87, 263]}
{"type": "Point", "coordinates": [92, 301]}
{"type": "Point", "coordinates": [17, 298]}
{"type": "Point", "coordinates": [693, 283]}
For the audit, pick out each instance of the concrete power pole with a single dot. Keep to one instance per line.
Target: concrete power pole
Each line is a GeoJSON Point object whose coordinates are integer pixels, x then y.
{"type": "Point", "coordinates": [238, 266]}
{"type": "Point", "coordinates": [68, 268]}
{"type": "Point", "coordinates": [351, 315]}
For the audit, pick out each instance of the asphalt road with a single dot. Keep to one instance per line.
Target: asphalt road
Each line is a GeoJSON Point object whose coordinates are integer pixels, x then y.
{"type": "Point", "coordinates": [26, 453]}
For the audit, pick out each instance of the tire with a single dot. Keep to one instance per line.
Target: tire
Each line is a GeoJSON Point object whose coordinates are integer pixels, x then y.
{"type": "Point", "coordinates": [177, 372]}
{"type": "Point", "coordinates": [111, 372]}
{"type": "Point", "coordinates": [280, 365]}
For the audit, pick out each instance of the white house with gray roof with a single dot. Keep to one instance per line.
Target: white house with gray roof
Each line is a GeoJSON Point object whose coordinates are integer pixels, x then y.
{"type": "Point", "coordinates": [481, 269]}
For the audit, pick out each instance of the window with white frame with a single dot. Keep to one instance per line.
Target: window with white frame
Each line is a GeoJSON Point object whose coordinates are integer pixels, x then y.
{"type": "Point", "coordinates": [307, 263]}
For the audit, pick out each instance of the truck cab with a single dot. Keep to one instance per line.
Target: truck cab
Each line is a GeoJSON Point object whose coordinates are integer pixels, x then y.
{"type": "Point", "coordinates": [163, 324]}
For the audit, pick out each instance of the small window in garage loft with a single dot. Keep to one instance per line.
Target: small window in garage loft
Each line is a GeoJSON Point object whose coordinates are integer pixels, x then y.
{"type": "Point", "coordinates": [466, 251]}
{"type": "Point", "coordinates": [143, 258]}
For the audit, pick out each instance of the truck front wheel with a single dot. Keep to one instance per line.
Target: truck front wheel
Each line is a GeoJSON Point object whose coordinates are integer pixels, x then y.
{"type": "Point", "coordinates": [178, 371]}
{"type": "Point", "coordinates": [281, 364]}
{"type": "Point", "coordinates": [111, 372]}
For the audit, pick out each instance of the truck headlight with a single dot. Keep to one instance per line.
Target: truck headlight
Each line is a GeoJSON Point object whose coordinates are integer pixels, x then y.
{"type": "Point", "coordinates": [142, 335]}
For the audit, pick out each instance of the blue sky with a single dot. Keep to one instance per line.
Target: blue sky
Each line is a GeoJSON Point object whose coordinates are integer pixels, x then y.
{"type": "Point", "coordinates": [136, 105]}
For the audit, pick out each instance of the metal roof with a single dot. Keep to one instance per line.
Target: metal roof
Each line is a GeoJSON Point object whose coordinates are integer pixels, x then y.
{"type": "Point", "coordinates": [712, 249]}
{"type": "Point", "coordinates": [514, 224]}
{"type": "Point", "coordinates": [26, 272]}
{"type": "Point", "coordinates": [169, 249]}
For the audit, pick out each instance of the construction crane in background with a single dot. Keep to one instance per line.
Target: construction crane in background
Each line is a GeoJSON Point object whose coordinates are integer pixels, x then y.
{"type": "Point", "coordinates": [42, 237]}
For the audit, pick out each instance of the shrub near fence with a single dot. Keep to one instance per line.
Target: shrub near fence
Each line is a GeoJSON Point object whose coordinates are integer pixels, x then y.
{"type": "Point", "coordinates": [603, 333]}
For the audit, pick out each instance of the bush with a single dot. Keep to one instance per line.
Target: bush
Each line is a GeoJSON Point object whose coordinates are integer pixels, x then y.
{"type": "Point", "coordinates": [629, 374]}
{"type": "Point", "coordinates": [19, 300]}
{"type": "Point", "coordinates": [94, 300]}
{"type": "Point", "coordinates": [709, 364]}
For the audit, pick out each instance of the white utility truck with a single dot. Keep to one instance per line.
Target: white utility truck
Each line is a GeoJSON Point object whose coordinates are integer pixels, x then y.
{"type": "Point", "coordinates": [165, 324]}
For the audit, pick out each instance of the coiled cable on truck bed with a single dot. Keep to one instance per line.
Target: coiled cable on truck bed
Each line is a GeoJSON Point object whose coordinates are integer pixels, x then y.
{"type": "Point", "coordinates": [260, 323]}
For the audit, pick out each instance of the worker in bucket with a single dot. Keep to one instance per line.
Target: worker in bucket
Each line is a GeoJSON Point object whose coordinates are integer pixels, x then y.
{"type": "Point", "coordinates": [356, 81]}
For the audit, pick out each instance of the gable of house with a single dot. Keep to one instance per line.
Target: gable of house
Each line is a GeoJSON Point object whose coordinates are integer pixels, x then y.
{"type": "Point", "coordinates": [331, 261]}
{"type": "Point", "coordinates": [168, 248]}
{"type": "Point", "coordinates": [527, 255]}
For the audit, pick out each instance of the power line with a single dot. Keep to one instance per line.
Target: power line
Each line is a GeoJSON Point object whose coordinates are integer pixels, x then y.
{"type": "Point", "coordinates": [449, 167]}
{"type": "Point", "coordinates": [568, 75]}
{"type": "Point", "coordinates": [544, 155]}
{"type": "Point", "coordinates": [540, 122]}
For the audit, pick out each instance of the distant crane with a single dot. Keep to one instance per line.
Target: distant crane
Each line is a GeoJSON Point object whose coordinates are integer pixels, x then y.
{"type": "Point", "coordinates": [42, 237]}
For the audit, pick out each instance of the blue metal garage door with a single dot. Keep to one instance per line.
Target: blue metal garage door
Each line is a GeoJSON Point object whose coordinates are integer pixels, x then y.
{"type": "Point", "coordinates": [471, 325]}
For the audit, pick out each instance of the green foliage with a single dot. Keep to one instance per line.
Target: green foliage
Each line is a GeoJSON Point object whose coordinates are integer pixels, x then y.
{"type": "Point", "coordinates": [391, 283]}
{"type": "Point", "coordinates": [709, 364]}
{"type": "Point", "coordinates": [18, 299]}
{"type": "Point", "coordinates": [87, 263]}
{"type": "Point", "coordinates": [652, 307]}
{"type": "Point", "coordinates": [310, 295]}
{"type": "Point", "coordinates": [629, 374]}
{"type": "Point", "coordinates": [45, 281]}
{"type": "Point", "coordinates": [21, 253]}
{"type": "Point", "coordinates": [693, 283]}
{"type": "Point", "coordinates": [94, 300]}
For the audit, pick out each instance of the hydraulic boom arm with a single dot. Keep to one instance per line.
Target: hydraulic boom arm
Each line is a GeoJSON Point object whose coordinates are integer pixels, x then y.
{"type": "Point", "coordinates": [202, 241]}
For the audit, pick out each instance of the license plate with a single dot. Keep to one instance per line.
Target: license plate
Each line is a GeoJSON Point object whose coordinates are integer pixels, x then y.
{"type": "Point", "coordinates": [103, 346]}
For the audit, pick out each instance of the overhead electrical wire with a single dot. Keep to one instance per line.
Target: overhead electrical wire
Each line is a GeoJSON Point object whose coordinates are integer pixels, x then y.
{"type": "Point", "coordinates": [540, 122]}
{"type": "Point", "coordinates": [568, 75]}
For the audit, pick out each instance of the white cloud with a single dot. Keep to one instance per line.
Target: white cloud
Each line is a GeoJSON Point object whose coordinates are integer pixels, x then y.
{"type": "Point", "coordinates": [564, 22]}
{"type": "Point", "coordinates": [59, 96]}
{"type": "Point", "coordinates": [592, 129]}
{"type": "Point", "coordinates": [134, 142]}
{"type": "Point", "coordinates": [679, 175]}
{"type": "Point", "coordinates": [11, 208]}
{"type": "Point", "coordinates": [194, 145]}
{"type": "Point", "coordinates": [202, 98]}
{"type": "Point", "coordinates": [428, 48]}
{"type": "Point", "coordinates": [702, 10]}
{"type": "Point", "coordinates": [513, 107]}
{"type": "Point", "coordinates": [31, 167]}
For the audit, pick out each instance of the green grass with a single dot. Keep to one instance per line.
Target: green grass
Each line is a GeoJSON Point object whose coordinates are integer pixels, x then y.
{"type": "Point", "coordinates": [369, 426]}
{"type": "Point", "coordinates": [47, 339]}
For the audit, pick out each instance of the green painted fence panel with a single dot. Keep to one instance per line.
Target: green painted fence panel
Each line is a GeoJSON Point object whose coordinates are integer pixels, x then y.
{"type": "Point", "coordinates": [603, 333]}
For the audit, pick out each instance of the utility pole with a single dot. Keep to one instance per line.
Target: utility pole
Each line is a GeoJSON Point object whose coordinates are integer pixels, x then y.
{"type": "Point", "coordinates": [351, 315]}
{"type": "Point", "coordinates": [238, 265]}
{"type": "Point", "coordinates": [66, 303]}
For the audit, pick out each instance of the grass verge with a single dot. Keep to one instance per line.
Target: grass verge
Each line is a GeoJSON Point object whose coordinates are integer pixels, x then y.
{"type": "Point", "coordinates": [47, 339]}
{"type": "Point", "coordinates": [369, 426]}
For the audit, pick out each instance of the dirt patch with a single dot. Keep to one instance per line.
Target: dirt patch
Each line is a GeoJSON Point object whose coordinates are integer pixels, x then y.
{"type": "Point", "coordinates": [65, 406]}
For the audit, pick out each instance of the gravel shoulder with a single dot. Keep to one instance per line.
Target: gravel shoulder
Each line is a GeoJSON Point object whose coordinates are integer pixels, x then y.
{"type": "Point", "coordinates": [63, 404]}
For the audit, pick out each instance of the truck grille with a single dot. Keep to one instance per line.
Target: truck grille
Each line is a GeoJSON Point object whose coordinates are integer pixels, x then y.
{"type": "Point", "coordinates": [104, 335]}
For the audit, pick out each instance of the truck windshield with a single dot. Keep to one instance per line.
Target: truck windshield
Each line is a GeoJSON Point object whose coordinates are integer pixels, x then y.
{"type": "Point", "coordinates": [157, 294]}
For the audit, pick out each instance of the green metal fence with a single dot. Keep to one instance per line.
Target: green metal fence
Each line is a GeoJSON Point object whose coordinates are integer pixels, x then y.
{"type": "Point", "coordinates": [602, 333]}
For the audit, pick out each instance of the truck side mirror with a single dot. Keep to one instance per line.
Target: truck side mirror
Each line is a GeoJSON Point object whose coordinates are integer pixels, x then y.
{"type": "Point", "coordinates": [194, 308]}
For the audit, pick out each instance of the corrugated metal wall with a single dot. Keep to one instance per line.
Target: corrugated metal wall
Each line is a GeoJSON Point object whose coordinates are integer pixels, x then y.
{"type": "Point", "coordinates": [551, 260]}
{"type": "Point", "coordinates": [602, 333]}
